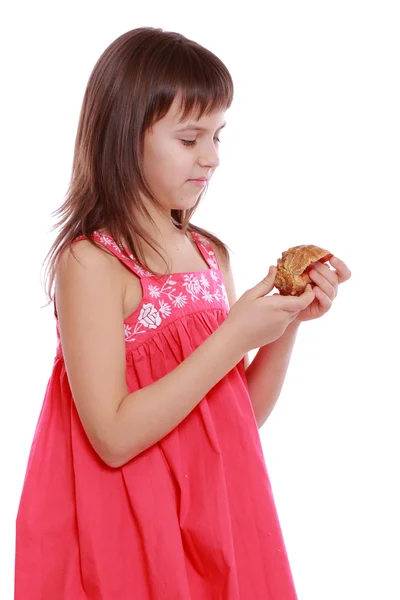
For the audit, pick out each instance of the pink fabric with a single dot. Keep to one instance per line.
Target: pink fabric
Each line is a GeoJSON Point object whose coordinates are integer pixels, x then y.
{"type": "Point", "coordinates": [192, 517]}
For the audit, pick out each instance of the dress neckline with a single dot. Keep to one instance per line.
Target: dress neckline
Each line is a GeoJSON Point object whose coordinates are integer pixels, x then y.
{"type": "Point", "coordinates": [173, 274]}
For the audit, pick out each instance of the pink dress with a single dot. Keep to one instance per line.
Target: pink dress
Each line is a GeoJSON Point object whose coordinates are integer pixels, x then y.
{"type": "Point", "coordinates": [192, 517]}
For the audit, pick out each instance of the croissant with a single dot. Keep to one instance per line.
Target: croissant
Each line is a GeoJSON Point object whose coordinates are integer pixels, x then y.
{"type": "Point", "coordinates": [292, 274]}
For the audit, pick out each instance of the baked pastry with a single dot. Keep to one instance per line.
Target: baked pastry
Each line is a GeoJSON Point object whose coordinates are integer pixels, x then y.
{"type": "Point", "coordinates": [292, 275]}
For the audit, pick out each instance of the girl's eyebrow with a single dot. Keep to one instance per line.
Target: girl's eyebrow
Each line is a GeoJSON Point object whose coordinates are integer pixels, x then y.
{"type": "Point", "coordinates": [194, 127]}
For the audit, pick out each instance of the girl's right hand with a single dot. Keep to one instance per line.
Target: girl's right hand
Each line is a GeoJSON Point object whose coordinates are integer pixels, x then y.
{"type": "Point", "coordinates": [256, 319]}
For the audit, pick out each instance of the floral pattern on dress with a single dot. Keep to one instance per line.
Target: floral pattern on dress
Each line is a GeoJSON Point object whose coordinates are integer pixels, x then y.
{"type": "Point", "coordinates": [162, 298]}
{"type": "Point", "coordinates": [153, 313]}
{"type": "Point", "coordinates": [205, 244]}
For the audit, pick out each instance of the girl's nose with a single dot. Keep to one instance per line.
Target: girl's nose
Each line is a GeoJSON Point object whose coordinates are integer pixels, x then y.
{"type": "Point", "coordinates": [211, 160]}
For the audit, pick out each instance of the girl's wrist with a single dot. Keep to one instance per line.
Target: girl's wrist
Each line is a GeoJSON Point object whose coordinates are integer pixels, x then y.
{"type": "Point", "coordinates": [294, 325]}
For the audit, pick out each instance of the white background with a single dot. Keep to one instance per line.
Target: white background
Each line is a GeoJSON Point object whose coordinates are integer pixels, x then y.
{"type": "Point", "coordinates": [310, 155]}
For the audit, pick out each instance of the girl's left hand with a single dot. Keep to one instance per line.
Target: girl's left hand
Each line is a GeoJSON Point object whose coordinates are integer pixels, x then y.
{"type": "Point", "coordinates": [326, 288]}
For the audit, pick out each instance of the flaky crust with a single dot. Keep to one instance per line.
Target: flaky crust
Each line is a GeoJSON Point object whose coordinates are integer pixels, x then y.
{"type": "Point", "coordinates": [292, 275]}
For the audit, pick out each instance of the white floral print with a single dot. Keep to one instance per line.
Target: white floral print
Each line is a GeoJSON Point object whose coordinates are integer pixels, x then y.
{"type": "Point", "coordinates": [130, 332]}
{"type": "Point", "coordinates": [168, 296]}
{"type": "Point", "coordinates": [154, 291]}
{"type": "Point", "coordinates": [165, 309]}
{"type": "Point", "coordinates": [207, 296]}
{"type": "Point", "coordinates": [162, 301]}
{"type": "Point", "coordinates": [192, 285]}
{"type": "Point", "coordinates": [213, 275]}
{"type": "Point", "coordinates": [139, 270]}
{"type": "Point", "coordinates": [224, 295]}
{"type": "Point", "coordinates": [205, 244]}
{"type": "Point", "coordinates": [204, 281]}
{"type": "Point", "coordinates": [197, 288]}
{"type": "Point", "coordinates": [179, 300]}
{"type": "Point", "coordinates": [149, 316]}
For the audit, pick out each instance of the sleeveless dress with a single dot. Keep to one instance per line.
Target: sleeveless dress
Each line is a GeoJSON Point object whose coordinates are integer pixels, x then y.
{"type": "Point", "coordinates": [192, 517]}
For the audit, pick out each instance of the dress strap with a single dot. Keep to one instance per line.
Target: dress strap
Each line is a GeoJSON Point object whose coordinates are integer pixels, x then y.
{"type": "Point", "coordinates": [206, 249]}
{"type": "Point", "coordinates": [109, 243]}
{"type": "Point", "coordinates": [202, 243]}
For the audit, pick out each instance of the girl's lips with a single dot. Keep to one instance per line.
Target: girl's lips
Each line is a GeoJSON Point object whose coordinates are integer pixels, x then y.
{"type": "Point", "coordinates": [199, 182]}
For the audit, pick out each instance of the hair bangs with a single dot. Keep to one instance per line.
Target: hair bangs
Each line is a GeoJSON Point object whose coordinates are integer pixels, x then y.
{"type": "Point", "coordinates": [209, 91]}
{"type": "Point", "coordinates": [194, 75]}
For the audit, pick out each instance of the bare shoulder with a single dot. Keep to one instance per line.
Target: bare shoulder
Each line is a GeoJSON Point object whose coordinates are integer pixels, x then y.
{"type": "Point", "coordinates": [84, 269]}
{"type": "Point", "coordinates": [83, 254]}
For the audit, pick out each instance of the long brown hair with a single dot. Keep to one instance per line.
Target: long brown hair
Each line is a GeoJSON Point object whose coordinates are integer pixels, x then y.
{"type": "Point", "coordinates": [132, 85]}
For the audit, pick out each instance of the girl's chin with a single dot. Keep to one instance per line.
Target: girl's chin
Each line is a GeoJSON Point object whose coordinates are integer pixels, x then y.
{"type": "Point", "coordinates": [185, 203]}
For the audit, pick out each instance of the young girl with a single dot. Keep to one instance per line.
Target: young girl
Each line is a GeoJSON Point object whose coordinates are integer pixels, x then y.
{"type": "Point", "coordinates": [146, 477]}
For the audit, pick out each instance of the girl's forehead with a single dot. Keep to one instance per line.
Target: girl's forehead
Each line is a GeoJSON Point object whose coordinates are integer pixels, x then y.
{"type": "Point", "coordinates": [206, 121]}
{"type": "Point", "coordinates": [172, 120]}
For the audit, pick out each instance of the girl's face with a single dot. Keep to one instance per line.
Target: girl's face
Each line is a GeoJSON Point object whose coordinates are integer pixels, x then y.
{"type": "Point", "coordinates": [176, 153]}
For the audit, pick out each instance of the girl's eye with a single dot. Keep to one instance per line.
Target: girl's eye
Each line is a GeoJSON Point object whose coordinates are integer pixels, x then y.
{"type": "Point", "coordinates": [192, 142]}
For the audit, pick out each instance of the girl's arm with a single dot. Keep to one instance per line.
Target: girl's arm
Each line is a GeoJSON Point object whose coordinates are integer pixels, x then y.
{"type": "Point", "coordinates": [266, 373]}
{"type": "Point", "coordinates": [119, 424]}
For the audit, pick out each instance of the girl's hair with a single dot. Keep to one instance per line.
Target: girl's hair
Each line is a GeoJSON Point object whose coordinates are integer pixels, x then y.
{"type": "Point", "coordinates": [132, 86]}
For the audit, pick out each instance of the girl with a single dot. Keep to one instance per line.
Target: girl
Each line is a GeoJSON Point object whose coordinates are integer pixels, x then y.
{"type": "Point", "coordinates": [146, 477]}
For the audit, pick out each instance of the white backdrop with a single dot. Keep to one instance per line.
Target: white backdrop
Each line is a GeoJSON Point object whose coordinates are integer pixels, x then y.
{"type": "Point", "coordinates": [310, 155]}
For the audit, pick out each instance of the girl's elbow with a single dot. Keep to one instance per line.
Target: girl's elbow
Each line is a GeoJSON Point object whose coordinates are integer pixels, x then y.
{"type": "Point", "coordinates": [112, 454]}
{"type": "Point", "coordinates": [114, 459]}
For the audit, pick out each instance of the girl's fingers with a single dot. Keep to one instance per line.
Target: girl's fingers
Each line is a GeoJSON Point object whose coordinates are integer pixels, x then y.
{"type": "Point", "coordinates": [342, 270]}
{"type": "Point", "coordinates": [297, 303]}
{"type": "Point", "coordinates": [325, 279]}
{"type": "Point", "coordinates": [324, 300]}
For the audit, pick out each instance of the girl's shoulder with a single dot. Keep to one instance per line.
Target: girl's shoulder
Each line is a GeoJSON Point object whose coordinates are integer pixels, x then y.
{"type": "Point", "coordinates": [82, 253]}
{"type": "Point", "coordinates": [84, 269]}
